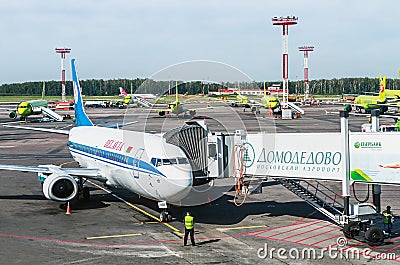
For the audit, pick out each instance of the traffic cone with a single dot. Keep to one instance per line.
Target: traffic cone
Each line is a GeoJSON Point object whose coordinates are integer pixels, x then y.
{"type": "Point", "coordinates": [209, 201]}
{"type": "Point", "coordinates": [68, 209]}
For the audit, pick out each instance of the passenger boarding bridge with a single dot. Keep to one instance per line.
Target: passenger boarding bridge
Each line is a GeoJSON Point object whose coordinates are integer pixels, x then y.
{"type": "Point", "coordinates": [300, 162]}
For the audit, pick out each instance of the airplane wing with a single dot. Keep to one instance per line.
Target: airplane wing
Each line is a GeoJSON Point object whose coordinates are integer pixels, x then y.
{"type": "Point", "coordinates": [391, 104]}
{"type": "Point", "coordinates": [37, 129]}
{"type": "Point", "coordinates": [9, 109]}
{"type": "Point", "coordinates": [362, 114]}
{"type": "Point", "coordinates": [90, 173]}
{"type": "Point", "coordinates": [160, 111]}
{"type": "Point", "coordinates": [119, 125]}
{"type": "Point", "coordinates": [208, 107]}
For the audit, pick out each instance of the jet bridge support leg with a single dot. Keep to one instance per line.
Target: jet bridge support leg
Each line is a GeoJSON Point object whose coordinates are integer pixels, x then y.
{"type": "Point", "coordinates": [376, 188]}
{"type": "Point", "coordinates": [344, 127]}
{"type": "Point", "coordinates": [376, 196]}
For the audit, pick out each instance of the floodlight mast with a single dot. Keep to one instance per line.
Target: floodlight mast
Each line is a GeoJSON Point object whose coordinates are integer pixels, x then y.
{"type": "Point", "coordinates": [305, 50]}
{"type": "Point", "coordinates": [285, 22]}
{"type": "Point", "coordinates": [63, 51]}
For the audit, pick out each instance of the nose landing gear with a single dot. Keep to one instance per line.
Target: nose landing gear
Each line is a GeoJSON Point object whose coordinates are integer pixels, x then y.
{"type": "Point", "coordinates": [165, 217]}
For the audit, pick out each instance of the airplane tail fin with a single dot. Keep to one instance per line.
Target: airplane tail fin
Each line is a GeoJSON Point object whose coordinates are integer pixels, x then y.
{"type": "Point", "coordinates": [382, 87]}
{"type": "Point", "coordinates": [122, 92]}
{"type": "Point", "coordinates": [81, 118]}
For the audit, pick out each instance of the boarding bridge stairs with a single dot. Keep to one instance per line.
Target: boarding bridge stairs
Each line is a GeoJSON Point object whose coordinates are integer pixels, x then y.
{"type": "Point", "coordinates": [51, 114]}
{"type": "Point", "coordinates": [143, 102]}
{"type": "Point", "coordinates": [318, 195]}
{"type": "Point", "coordinates": [295, 108]}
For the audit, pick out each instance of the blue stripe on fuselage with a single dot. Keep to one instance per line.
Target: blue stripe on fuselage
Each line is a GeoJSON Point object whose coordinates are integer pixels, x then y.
{"type": "Point", "coordinates": [107, 156]}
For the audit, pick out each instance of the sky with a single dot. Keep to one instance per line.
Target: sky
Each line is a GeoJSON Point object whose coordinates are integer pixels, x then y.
{"type": "Point", "coordinates": [137, 38]}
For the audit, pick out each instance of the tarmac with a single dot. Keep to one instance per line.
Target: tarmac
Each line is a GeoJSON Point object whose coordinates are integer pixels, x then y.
{"type": "Point", "coordinates": [118, 227]}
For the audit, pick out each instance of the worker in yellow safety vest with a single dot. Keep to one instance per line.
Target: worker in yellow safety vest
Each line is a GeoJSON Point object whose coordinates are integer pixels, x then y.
{"type": "Point", "coordinates": [388, 219]}
{"type": "Point", "coordinates": [189, 229]}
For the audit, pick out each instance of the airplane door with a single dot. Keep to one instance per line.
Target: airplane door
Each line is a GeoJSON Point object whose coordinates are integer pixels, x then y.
{"type": "Point", "coordinates": [136, 162]}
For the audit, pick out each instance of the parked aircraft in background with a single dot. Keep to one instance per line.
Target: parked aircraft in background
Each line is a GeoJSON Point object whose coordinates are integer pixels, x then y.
{"type": "Point", "coordinates": [368, 103]}
{"type": "Point", "coordinates": [241, 101]}
{"type": "Point", "coordinates": [33, 107]}
{"type": "Point", "coordinates": [176, 107]}
{"type": "Point", "coordinates": [116, 157]}
{"type": "Point", "coordinates": [131, 98]}
{"type": "Point", "coordinates": [269, 102]}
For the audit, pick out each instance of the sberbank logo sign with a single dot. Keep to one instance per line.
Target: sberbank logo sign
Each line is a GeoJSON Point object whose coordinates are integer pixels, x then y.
{"type": "Point", "coordinates": [368, 144]}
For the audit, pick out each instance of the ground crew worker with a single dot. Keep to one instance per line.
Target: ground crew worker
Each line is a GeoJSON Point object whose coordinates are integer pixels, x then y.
{"type": "Point", "coordinates": [189, 228]}
{"type": "Point", "coordinates": [388, 219]}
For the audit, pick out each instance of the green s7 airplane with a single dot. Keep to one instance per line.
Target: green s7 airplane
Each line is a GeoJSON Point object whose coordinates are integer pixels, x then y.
{"type": "Point", "coordinates": [176, 107]}
{"type": "Point", "coordinates": [368, 103]}
{"type": "Point", "coordinates": [33, 107]}
{"type": "Point", "coordinates": [270, 102]}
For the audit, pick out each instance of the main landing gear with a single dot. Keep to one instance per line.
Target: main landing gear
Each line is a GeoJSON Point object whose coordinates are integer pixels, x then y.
{"type": "Point", "coordinates": [83, 191]}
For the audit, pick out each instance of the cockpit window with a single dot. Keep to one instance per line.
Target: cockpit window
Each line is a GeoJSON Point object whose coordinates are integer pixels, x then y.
{"type": "Point", "coordinates": [182, 160]}
{"type": "Point", "coordinates": [168, 161]}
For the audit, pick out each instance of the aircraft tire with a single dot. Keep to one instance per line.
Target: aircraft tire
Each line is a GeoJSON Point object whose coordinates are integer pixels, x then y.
{"type": "Point", "coordinates": [163, 217]}
{"type": "Point", "coordinates": [374, 236]}
{"type": "Point", "coordinates": [351, 229]}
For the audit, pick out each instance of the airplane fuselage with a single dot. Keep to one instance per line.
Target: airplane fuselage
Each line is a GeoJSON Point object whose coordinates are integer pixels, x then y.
{"type": "Point", "coordinates": [392, 93]}
{"type": "Point", "coordinates": [139, 162]}
{"type": "Point", "coordinates": [32, 107]}
{"type": "Point", "coordinates": [270, 102]}
{"type": "Point", "coordinates": [369, 102]}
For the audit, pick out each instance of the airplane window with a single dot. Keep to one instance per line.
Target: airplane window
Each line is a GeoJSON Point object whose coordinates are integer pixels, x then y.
{"type": "Point", "coordinates": [166, 162]}
{"type": "Point", "coordinates": [182, 160]}
{"type": "Point", "coordinates": [169, 161]}
{"type": "Point", "coordinates": [159, 162]}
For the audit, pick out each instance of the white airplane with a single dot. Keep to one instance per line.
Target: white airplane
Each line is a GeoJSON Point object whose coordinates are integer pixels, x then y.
{"type": "Point", "coordinates": [127, 96]}
{"type": "Point", "coordinates": [139, 162]}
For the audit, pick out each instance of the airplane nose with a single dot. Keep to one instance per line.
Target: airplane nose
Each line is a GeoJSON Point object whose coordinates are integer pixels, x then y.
{"type": "Point", "coordinates": [180, 182]}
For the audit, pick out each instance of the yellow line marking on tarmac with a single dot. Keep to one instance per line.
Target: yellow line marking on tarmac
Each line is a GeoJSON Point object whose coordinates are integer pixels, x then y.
{"type": "Point", "coordinates": [113, 236]}
{"type": "Point", "coordinates": [147, 223]}
{"type": "Point", "coordinates": [66, 163]}
{"type": "Point", "coordinates": [240, 227]}
{"type": "Point", "coordinates": [176, 231]}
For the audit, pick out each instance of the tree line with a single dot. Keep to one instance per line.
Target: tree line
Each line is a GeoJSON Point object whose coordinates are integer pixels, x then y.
{"type": "Point", "coordinates": [99, 87]}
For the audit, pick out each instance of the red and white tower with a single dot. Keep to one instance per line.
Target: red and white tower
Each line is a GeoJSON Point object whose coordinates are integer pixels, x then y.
{"type": "Point", "coordinates": [285, 22]}
{"type": "Point", "coordinates": [306, 49]}
{"type": "Point", "coordinates": [63, 51]}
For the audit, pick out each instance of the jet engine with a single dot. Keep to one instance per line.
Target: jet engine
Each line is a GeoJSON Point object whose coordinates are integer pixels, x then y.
{"type": "Point", "coordinates": [60, 187]}
{"type": "Point", "coordinates": [13, 114]}
{"type": "Point", "coordinates": [161, 113]}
